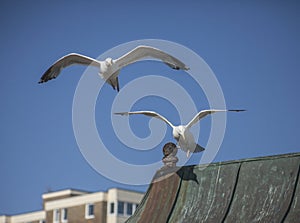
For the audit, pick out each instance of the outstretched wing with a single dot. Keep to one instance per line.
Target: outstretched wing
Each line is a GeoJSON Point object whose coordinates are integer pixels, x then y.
{"type": "Point", "coordinates": [141, 52]}
{"type": "Point", "coordinates": [66, 61]}
{"type": "Point", "coordinates": [148, 113]}
{"type": "Point", "coordinates": [204, 113]}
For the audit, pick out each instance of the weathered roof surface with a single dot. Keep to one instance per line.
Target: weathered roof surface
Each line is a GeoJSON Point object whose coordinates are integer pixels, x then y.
{"type": "Point", "coordinates": [265, 189]}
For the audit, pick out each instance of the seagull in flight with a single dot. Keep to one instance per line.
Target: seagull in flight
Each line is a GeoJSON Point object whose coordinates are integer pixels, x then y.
{"type": "Point", "coordinates": [181, 133]}
{"type": "Point", "coordinates": [109, 69]}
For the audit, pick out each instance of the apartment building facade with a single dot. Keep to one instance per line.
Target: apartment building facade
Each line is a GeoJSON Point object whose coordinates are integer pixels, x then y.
{"type": "Point", "coordinates": [75, 206]}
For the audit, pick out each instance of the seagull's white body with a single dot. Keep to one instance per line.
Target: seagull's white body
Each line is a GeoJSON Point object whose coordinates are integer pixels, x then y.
{"type": "Point", "coordinates": [187, 142]}
{"type": "Point", "coordinates": [181, 133]}
{"type": "Point", "coordinates": [109, 69]}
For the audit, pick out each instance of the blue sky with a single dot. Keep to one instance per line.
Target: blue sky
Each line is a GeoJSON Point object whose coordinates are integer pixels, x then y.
{"type": "Point", "coordinates": [252, 47]}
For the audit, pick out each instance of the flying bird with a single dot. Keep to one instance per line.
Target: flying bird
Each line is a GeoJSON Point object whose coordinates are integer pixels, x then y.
{"type": "Point", "coordinates": [181, 133]}
{"type": "Point", "coordinates": [109, 69]}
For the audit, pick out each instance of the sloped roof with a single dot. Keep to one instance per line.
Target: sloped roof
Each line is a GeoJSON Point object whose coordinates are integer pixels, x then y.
{"type": "Point", "coordinates": [262, 189]}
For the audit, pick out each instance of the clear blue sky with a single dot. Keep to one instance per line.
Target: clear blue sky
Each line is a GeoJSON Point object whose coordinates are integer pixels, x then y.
{"type": "Point", "coordinates": [252, 47]}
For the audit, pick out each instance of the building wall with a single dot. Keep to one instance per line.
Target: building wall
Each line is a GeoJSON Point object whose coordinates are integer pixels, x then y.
{"type": "Point", "coordinates": [115, 195]}
{"type": "Point", "coordinates": [78, 214]}
{"type": "Point", "coordinates": [75, 203]}
{"type": "Point", "coordinates": [53, 199]}
{"type": "Point", "coordinates": [58, 195]}
{"type": "Point", "coordinates": [49, 216]}
{"type": "Point", "coordinates": [4, 219]}
{"type": "Point", "coordinates": [32, 217]}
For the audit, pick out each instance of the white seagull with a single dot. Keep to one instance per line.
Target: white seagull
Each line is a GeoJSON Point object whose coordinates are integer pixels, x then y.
{"type": "Point", "coordinates": [109, 68]}
{"type": "Point", "coordinates": [181, 133]}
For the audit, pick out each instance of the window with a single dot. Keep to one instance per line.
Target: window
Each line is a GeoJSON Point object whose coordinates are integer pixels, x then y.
{"type": "Point", "coordinates": [64, 215]}
{"type": "Point", "coordinates": [112, 208]}
{"type": "Point", "coordinates": [89, 211]}
{"type": "Point", "coordinates": [55, 216]}
{"type": "Point", "coordinates": [129, 209]}
{"type": "Point", "coordinates": [121, 207]}
{"type": "Point", "coordinates": [124, 208]}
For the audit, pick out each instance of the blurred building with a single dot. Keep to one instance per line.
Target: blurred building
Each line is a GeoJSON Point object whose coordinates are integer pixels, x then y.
{"type": "Point", "coordinates": [70, 206]}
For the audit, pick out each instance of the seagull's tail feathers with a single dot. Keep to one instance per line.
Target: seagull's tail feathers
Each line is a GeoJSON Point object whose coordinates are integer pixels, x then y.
{"type": "Point", "coordinates": [198, 149]}
{"type": "Point", "coordinates": [111, 84]}
{"type": "Point", "coordinates": [114, 83]}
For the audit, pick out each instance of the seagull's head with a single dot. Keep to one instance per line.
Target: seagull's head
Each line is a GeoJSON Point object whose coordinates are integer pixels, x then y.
{"type": "Point", "coordinates": [108, 62]}
{"type": "Point", "coordinates": [179, 132]}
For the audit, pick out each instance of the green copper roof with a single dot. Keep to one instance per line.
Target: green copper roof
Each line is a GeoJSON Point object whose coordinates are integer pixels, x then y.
{"type": "Point", "coordinates": [262, 189]}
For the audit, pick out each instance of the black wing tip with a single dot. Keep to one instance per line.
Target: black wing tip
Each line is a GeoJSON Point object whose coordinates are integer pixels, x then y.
{"type": "Point", "coordinates": [237, 110]}
{"type": "Point", "coordinates": [116, 88]}
{"type": "Point", "coordinates": [174, 66]}
{"type": "Point", "coordinates": [120, 113]}
{"type": "Point", "coordinates": [179, 68]}
{"type": "Point", "coordinates": [43, 80]}
{"type": "Point", "coordinates": [118, 84]}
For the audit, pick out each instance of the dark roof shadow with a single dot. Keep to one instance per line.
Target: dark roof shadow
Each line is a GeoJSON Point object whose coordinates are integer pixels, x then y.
{"type": "Point", "coordinates": [187, 173]}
